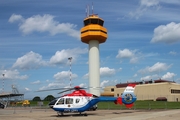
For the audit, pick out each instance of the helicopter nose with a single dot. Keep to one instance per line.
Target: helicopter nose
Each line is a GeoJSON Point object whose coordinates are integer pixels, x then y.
{"type": "Point", "coordinates": [52, 103]}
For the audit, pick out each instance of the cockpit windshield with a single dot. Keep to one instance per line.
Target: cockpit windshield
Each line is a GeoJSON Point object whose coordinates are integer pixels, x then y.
{"type": "Point", "coordinates": [61, 101]}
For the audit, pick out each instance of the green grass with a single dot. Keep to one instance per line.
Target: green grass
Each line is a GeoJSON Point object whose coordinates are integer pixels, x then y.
{"type": "Point", "coordinates": [142, 105]}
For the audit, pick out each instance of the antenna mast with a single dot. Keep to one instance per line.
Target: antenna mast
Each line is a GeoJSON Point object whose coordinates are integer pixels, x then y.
{"type": "Point", "coordinates": [70, 58]}
{"type": "Point", "coordinates": [3, 83]}
{"type": "Point", "coordinates": [92, 9]}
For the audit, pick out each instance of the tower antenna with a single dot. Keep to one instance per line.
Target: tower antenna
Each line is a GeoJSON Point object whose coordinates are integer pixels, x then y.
{"type": "Point", "coordinates": [92, 9]}
{"type": "Point", "coordinates": [86, 10]}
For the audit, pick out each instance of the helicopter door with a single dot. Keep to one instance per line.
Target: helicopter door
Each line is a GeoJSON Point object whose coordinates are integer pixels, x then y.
{"type": "Point", "coordinates": [69, 102]}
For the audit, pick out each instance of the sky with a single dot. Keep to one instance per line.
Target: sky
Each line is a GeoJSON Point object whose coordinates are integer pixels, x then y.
{"type": "Point", "coordinates": [38, 36]}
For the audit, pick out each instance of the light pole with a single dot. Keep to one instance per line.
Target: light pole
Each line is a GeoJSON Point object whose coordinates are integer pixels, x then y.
{"type": "Point", "coordinates": [70, 59]}
{"type": "Point", "coordinates": [3, 83]}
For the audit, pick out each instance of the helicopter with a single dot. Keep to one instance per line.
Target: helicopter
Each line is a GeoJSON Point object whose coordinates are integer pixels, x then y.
{"type": "Point", "coordinates": [80, 101]}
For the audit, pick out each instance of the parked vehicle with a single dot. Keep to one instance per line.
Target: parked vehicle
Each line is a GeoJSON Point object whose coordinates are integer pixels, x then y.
{"type": "Point", "coordinates": [2, 106]}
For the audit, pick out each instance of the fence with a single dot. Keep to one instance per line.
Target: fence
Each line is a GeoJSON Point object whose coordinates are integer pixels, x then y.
{"type": "Point", "coordinates": [147, 105]}
{"type": "Point", "coordinates": [170, 98]}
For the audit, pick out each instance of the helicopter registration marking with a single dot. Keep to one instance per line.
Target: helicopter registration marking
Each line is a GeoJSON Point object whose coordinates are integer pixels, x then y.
{"type": "Point", "coordinates": [70, 110]}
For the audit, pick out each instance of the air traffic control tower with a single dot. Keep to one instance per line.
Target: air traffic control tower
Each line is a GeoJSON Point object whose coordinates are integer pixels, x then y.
{"type": "Point", "coordinates": [93, 33]}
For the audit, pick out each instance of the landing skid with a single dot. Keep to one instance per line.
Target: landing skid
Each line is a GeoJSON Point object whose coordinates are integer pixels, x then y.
{"type": "Point", "coordinates": [61, 114]}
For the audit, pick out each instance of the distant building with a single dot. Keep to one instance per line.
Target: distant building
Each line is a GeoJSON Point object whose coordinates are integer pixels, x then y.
{"type": "Point", "coordinates": [148, 90]}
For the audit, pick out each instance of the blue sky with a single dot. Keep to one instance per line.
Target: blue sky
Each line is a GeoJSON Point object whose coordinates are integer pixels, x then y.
{"type": "Point", "coordinates": [38, 36]}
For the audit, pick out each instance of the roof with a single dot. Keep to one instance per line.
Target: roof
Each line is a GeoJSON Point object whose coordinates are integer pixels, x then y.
{"type": "Point", "coordinates": [93, 16]}
{"type": "Point", "coordinates": [4, 95]}
{"type": "Point", "coordinates": [142, 82]}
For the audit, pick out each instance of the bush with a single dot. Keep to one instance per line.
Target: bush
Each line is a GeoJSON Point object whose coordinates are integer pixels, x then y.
{"type": "Point", "coordinates": [37, 98]}
{"type": "Point", "coordinates": [49, 98]}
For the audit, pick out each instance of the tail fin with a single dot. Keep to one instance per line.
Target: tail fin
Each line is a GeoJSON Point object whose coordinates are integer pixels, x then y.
{"type": "Point", "coordinates": [128, 97]}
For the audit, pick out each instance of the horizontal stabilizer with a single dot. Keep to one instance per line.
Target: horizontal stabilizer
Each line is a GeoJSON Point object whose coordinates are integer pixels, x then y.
{"type": "Point", "coordinates": [119, 100]}
{"type": "Point", "coordinates": [129, 105]}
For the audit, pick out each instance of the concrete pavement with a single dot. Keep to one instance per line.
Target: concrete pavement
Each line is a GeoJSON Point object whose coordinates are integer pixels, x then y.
{"type": "Point", "coordinates": [48, 114]}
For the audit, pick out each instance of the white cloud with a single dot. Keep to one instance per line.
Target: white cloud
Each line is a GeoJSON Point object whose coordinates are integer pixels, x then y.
{"type": "Point", "coordinates": [144, 6]}
{"type": "Point", "coordinates": [167, 33]}
{"type": "Point", "coordinates": [30, 60]}
{"type": "Point", "coordinates": [135, 75]}
{"type": "Point", "coordinates": [61, 57]}
{"type": "Point", "coordinates": [86, 76]}
{"type": "Point", "coordinates": [105, 83]}
{"type": "Point", "coordinates": [36, 82]}
{"type": "Point", "coordinates": [107, 72]}
{"type": "Point", "coordinates": [12, 75]}
{"type": "Point", "coordinates": [15, 18]}
{"type": "Point", "coordinates": [82, 85]}
{"type": "Point", "coordinates": [168, 76]}
{"type": "Point", "coordinates": [27, 89]}
{"type": "Point", "coordinates": [176, 2]}
{"type": "Point", "coordinates": [52, 85]}
{"type": "Point", "coordinates": [149, 3]}
{"type": "Point", "coordinates": [64, 76]}
{"type": "Point", "coordinates": [173, 53]}
{"type": "Point", "coordinates": [45, 23]}
{"type": "Point", "coordinates": [104, 72]}
{"type": "Point", "coordinates": [159, 67]}
{"type": "Point", "coordinates": [150, 77]}
{"type": "Point", "coordinates": [156, 68]}
{"type": "Point", "coordinates": [120, 69]}
{"type": "Point", "coordinates": [128, 54]}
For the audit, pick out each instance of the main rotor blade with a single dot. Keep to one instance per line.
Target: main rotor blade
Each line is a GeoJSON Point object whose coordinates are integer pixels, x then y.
{"type": "Point", "coordinates": [51, 89]}
{"type": "Point", "coordinates": [66, 90]}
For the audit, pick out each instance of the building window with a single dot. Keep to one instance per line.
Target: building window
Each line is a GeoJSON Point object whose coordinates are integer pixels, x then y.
{"type": "Point", "coordinates": [112, 89]}
{"type": "Point", "coordinates": [93, 21]}
{"type": "Point", "coordinates": [173, 91]}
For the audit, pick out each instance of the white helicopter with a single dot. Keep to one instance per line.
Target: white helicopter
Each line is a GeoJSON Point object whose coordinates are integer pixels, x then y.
{"type": "Point", "coordinates": [79, 100]}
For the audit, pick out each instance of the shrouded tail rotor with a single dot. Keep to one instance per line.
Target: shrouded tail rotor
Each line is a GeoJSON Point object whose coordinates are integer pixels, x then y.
{"type": "Point", "coordinates": [128, 97]}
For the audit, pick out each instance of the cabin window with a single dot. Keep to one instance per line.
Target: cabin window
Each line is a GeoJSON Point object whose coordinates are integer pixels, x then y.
{"type": "Point", "coordinates": [69, 100]}
{"type": "Point", "coordinates": [61, 101]}
{"type": "Point", "coordinates": [77, 100]}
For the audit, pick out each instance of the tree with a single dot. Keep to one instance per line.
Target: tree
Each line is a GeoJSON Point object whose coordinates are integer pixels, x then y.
{"type": "Point", "coordinates": [49, 98]}
{"type": "Point", "coordinates": [37, 98]}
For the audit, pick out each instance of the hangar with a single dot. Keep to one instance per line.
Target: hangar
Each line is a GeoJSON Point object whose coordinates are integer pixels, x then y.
{"type": "Point", "coordinates": [7, 98]}
{"type": "Point", "coordinates": [156, 90]}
